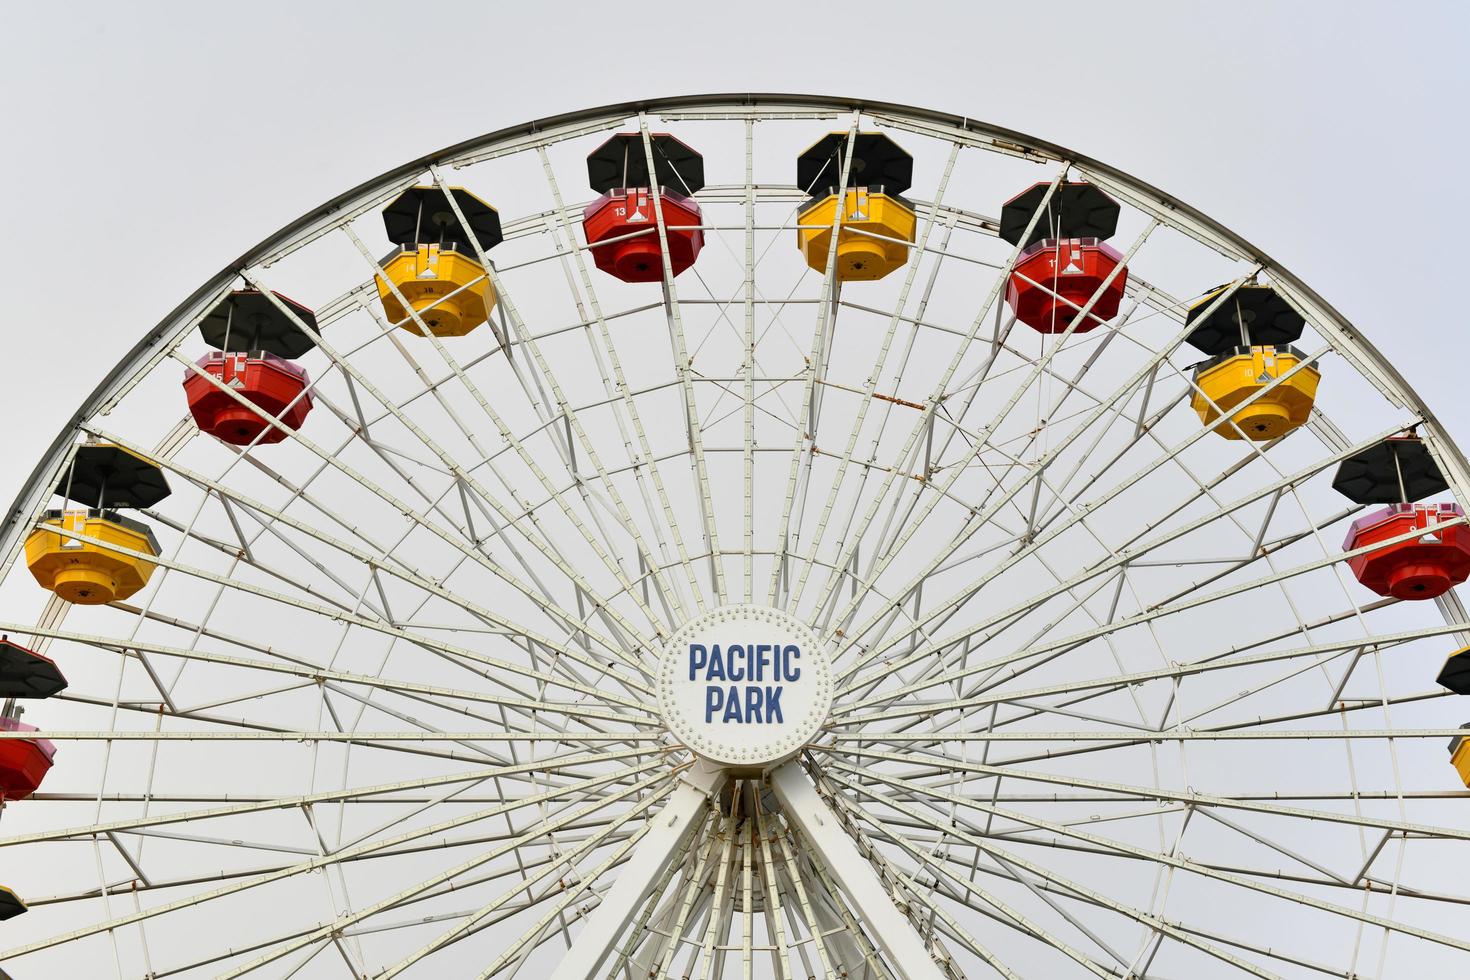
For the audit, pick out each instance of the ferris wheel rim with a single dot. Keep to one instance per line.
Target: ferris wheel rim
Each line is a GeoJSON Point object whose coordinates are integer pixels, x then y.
{"type": "Point", "coordinates": [42, 475]}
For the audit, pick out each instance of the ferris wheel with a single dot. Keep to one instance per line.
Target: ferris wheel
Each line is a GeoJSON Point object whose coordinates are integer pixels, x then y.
{"type": "Point", "coordinates": [741, 536]}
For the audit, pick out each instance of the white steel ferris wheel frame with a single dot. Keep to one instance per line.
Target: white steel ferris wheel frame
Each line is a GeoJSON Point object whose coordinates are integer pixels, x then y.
{"type": "Point", "coordinates": [830, 833]}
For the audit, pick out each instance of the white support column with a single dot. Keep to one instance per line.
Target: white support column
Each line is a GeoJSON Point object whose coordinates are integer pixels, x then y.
{"type": "Point", "coordinates": [644, 867]}
{"type": "Point", "coordinates": [883, 922]}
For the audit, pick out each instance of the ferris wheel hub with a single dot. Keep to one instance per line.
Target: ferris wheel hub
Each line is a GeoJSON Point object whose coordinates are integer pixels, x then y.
{"type": "Point", "coordinates": [745, 687]}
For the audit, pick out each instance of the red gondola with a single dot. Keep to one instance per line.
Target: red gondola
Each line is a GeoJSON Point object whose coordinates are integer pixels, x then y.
{"type": "Point", "coordinates": [1055, 278]}
{"type": "Point", "coordinates": [629, 211]}
{"type": "Point", "coordinates": [1420, 567]}
{"type": "Point", "coordinates": [275, 384]}
{"type": "Point", "coordinates": [24, 762]}
{"type": "Point", "coordinates": [1063, 260]}
{"type": "Point", "coordinates": [622, 226]}
{"type": "Point", "coordinates": [256, 336]}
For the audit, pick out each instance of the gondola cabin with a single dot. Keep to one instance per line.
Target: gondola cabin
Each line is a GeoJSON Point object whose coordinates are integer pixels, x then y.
{"type": "Point", "coordinates": [1272, 398]}
{"type": "Point", "coordinates": [277, 386]}
{"type": "Point", "coordinates": [1253, 372]}
{"type": "Point", "coordinates": [621, 229]}
{"type": "Point", "coordinates": [95, 555]}
{"type": "Point", "coordinates": [1065, 260]}
{"type": "Point", "coordinates": [86, 569]}
{"type": "Point", "coordinates": [621, 226]}
{"type": "Point", "coordinates": [1426, 564]}
{"type": "Point", "coordinates": [1460, 756]}
{"type": "Point", "coordinates": [435, 269]}
{"type": "Point", "coordinates": [1055, 279]}
{"type": "Point", "coordinates": [876, 226]}
{"type": "Point", "coordinates": [24, 762]}
{"type": "Point", "coordinates": [442, 284]}
{"type": "Point", "coordinates": [256, 337]}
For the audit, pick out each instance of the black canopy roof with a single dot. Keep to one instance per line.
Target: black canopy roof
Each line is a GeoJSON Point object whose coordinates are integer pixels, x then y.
{"type": "Point", "coordinates": [1269, 320]}
{"type": "Point", "coordinates": [422, 216]}
{"type": "Point", "coordinates": [622, 162]}
{"type": "Point", "coordinates": [26, 674]}
{"type": "Point", "coordinates": [10, 904]}
{"type": "Point", "coordinates": [103, 475]}
{"type": "Point", "coordinates": [877, 161]}
{"type": "Point", "coordinates": [1077, 209]}
{"type": "Point", "coordinates": [247, 320]}
{"type": "Point", "coordinates": [1455, 675]}
{"type": "Point", "coordinates": [1372, 475]}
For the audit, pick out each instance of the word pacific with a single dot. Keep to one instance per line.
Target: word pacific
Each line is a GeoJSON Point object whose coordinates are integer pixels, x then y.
{"type": "Point", "coordinates": [749, 700]}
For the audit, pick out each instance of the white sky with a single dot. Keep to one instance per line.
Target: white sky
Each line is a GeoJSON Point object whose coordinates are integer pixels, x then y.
{"type": "Point", "coordinates": [170, 137]}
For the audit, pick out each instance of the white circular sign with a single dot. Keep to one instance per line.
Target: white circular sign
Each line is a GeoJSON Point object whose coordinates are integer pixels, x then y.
{"type": "Point", "coordinates": [744, 685]}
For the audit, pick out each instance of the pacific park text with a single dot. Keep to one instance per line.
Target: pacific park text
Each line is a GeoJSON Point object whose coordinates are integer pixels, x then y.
{"type": "Point", "coordinates": [744, 681]}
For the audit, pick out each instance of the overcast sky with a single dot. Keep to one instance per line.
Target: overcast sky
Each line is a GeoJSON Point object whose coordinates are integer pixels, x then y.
{"type": "Point", "coordinates": [148, 145]}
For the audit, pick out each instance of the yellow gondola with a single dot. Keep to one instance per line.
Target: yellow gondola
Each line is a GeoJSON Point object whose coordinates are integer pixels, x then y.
{"type": "Point", "coordinates": [1460, 756]}
{"type": "Point", "coordinates": [89, 572]}
{"type": "Point", "coordinates": [447, 288]}
{"type": "Point", "coordinates": [436, 267]}
{"type": "Point", "coordinates": [74, 552]}
{"type": "Point", "coordinates": [1232, 377]}
{"type": "Point", "coordinates": [877, 224]}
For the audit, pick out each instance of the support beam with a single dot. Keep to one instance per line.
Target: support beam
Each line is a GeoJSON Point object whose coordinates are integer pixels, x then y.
{"type": "Point", "coordinates": [644, 868]}
{"type": "Point", "coordinates": [886, 925]}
